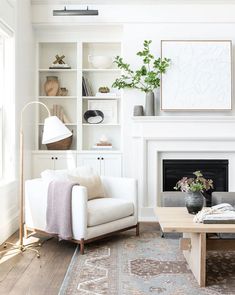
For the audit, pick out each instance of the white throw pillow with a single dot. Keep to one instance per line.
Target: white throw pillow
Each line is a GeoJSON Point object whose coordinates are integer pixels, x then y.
{"type": "Point", "coordinates": [49, 175]}
{"type": "Point", "coordinates": [81, 171]}
{"type": "Point", "coordinates": [93, 184]}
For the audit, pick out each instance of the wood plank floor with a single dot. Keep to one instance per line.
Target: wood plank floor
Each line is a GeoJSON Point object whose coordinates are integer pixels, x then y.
{"type": "Point", "coordinates": [25, 274]}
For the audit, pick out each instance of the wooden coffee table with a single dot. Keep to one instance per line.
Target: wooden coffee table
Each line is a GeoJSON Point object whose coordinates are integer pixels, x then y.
{"type": "Point", "coordinates": [194, 242]}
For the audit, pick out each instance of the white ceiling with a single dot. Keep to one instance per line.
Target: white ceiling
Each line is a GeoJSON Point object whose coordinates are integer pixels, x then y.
{"type": "Point", "coordinates": [130, 2]}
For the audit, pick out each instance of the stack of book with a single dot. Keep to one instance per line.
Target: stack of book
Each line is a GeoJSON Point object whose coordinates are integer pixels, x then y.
{"type": "Point", "coordinates": [86, 87]}
{"type": "Point", "coordinates": [108, 95]}
{"type": "Point", "coordinates": [58, 111]}
{"type": "Point", "coordinates": [59, 66]}
{"type": "Point", "coordinates": [103, 145]}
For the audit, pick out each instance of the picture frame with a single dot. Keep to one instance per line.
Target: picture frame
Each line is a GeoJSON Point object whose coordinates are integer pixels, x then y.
{"type": "Point", "coordinates": [107, 107]}
{"type": "Point", "coordinates": [199, 77]}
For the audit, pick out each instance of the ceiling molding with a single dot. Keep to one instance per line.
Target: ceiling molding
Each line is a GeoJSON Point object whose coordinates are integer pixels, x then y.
{"type": "Point", "coordinates": [129, 2]}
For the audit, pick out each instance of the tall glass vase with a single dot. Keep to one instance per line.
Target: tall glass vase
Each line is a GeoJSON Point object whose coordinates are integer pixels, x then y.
{"type": "Point", "coordinates": [149, 104]}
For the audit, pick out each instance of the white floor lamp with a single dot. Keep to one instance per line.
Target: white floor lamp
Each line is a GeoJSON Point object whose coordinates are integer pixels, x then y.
{"type": "Point", "coordinates": [53, 130]}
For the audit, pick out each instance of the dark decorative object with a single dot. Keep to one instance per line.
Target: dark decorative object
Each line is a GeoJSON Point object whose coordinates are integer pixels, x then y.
{"type": "Point", "coordinates": [94, 116]}
{"type": "Point", "coordinates": [59, 63]}
{"type": "Point", "coordinates": [138, 110]}
{"type": "Point", "coordinates": [59, 59]}
{"type": "Point", "coordinates": [104, 89]}
{"type": "Point", "coordinates": [194, 202]}
{"type": "Point", "coordinates": [194, 188]}
{"type": "Point", "coordinates": [63, 91]}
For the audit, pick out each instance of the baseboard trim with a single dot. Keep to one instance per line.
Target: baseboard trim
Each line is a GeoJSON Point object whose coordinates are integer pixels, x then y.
{"type": "Point", "coordinates": [9, 228]}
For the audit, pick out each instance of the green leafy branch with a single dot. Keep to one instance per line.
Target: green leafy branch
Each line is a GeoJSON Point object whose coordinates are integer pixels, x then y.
{"type": "Point", "coordinates": [147, 78]}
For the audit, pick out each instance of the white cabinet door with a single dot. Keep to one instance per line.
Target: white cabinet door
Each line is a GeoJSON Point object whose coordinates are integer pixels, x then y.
{"type": "Point", "coordinates": [90, 160]}
{"type": "Point", "coordinates": [43, 161]}
{"type": "Point", "coordinates": [111, 165]}
{"type": "Point", "coordinates": [103, 164]}
{"type": "Point", "coordinates": [67, 161]}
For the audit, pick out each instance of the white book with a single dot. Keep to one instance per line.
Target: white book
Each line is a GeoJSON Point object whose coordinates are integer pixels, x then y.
{"type": "Point", "coordinates": [109, 94]}
{"type": "Point", "coordinates": [105, 147]}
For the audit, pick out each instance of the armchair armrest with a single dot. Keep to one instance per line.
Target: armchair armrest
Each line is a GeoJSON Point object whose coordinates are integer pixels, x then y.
{"type": "Point", "coordinates": [36, 206]}
{"type": "Point", "coordinates": [79, 212]}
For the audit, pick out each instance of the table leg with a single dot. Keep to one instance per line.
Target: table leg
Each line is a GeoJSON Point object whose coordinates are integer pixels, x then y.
{"type": "Point", "coordinates": [196, 256]}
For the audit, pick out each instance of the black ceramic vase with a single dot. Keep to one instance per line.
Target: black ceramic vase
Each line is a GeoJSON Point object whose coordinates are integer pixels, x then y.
{"type": "Point", "coordinates": [194, 202]}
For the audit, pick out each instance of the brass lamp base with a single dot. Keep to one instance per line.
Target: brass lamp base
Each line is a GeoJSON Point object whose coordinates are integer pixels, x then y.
{"type": "Point", "coordinates": [22, 248]}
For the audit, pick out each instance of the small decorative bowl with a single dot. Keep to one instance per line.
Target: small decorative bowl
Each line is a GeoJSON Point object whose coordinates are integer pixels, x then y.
{"type": "Point", "coordinates": [100, 61]}
{"type": "Point", "coordinates": [93, 116]}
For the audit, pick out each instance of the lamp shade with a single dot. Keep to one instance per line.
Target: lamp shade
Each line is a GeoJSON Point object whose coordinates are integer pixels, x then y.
{"type": "Point", "coordinates": [54, 130]}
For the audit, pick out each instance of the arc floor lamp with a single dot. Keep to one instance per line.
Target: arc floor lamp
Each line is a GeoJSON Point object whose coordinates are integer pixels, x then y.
{"type": "Point", "coordinates": [53, 130]}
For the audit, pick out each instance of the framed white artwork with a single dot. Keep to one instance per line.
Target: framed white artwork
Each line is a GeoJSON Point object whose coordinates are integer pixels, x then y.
{"type": "Point", "coordinates": [199, 77]}
{"type": "Point", "coordinates": [108, 107]}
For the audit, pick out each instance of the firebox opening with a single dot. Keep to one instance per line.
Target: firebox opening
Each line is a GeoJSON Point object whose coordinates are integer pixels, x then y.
{"type": "Point", "coordinates": [175, 169]}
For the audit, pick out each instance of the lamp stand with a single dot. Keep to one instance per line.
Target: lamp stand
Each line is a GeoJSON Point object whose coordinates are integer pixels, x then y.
{"type": "Point", "coordinates": [21, 247]}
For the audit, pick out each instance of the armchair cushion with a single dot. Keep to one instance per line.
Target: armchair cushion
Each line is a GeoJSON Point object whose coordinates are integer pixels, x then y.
{"type": "Point", "coordinates": [93, 184]}
{"type": "Point", "coordinates": [105, 210]}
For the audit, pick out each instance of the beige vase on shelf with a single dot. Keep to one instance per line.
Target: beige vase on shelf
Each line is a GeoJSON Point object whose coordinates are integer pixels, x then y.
{"type": "Point", "coordinates": [51, 86]}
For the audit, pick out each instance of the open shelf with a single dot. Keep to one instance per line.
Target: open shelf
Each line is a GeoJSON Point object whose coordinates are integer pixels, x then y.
{"type": "Point", "coordinates": [74, 105]}
{"type": "Point", "coordinates": [57, 97]}
{"type": "Point", "coordinates": [101, 98]}
{"type": "Point", "coordinates": [100, 125]}
{"type": "Point", "coordinates": [102, 70]}
{"type": "Point", "coordinates": [57, 70]}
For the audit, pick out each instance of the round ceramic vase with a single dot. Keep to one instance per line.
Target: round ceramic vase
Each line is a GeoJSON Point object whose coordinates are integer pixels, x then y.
{"type": "Point", "coordinates": [194, 202]}
{"type": "Point", "coordinates": [51, 86]}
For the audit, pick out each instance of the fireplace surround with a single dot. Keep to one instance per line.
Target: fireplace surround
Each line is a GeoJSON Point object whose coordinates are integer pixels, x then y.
{"type": "Point", "coordinates": [155, 139]}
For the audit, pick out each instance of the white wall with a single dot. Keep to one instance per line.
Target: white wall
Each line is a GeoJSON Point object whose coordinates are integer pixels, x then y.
{"type": "Point", "coordinates": [8, 191]}
{"type": "Point", "coordinates": [177, 20]}
{"type": "Point", "coordinates": [134, 34]}
{"type": "Point", "coordinates": [25, 82]}
{"type": "Point", "coordinates": [17, 16]}
{"type": "Point", "coordinates": [7, 13]}
{"type": "Point", "coordinates": [190, 20]}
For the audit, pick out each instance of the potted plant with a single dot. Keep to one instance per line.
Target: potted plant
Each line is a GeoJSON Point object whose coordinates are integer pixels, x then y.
{"type": "Point", "coordinates": [194, 187]}
{"type": "Point", "coordinates": [146, 78]}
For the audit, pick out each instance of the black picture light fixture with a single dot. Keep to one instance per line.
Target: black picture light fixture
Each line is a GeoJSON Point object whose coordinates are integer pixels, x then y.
{"type": "Point", "coordinates": [75, 12]}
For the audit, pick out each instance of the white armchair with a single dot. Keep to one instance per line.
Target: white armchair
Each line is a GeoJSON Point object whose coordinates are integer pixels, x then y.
{"type": "Point", "coordinates": [92, 219]}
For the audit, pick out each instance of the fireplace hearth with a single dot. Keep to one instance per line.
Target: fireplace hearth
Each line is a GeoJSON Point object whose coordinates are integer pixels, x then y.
{"type": "Point", "coordinates": [217, 170]}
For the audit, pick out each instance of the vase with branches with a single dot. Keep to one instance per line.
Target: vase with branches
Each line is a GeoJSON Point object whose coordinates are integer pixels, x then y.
{"type": "Point", "coordinates": [146, 79]}
{"type": "Point", "coordinates": [194, 187]}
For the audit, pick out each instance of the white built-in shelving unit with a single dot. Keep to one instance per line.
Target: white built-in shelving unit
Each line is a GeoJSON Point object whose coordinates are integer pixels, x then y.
{"type": "Point", "coordinates": [75, 104]}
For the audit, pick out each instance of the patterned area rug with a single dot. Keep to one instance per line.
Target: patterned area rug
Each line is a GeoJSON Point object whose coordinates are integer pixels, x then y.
{"type": "Point", "coordinates": [128, 265]}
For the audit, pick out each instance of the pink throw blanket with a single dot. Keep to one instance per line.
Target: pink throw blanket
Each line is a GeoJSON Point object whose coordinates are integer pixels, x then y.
{"type": "Point", "coordinates": [59, 209]}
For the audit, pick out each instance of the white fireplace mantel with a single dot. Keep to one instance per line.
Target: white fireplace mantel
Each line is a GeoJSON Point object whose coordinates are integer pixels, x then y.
{"type": "Point", "coordinates": [184, 126]}
{"type": "Point", "coordinates": [171, 137]}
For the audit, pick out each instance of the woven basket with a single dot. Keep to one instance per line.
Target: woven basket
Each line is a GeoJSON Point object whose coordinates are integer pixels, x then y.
{"type": "Point", "coordinates": [63, 144]}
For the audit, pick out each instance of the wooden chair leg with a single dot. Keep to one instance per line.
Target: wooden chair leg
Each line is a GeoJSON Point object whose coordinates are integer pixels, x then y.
{"type": "Point", "coordinates": [137, 229]}
{"type": "Point", "coordinates": [82, 244]}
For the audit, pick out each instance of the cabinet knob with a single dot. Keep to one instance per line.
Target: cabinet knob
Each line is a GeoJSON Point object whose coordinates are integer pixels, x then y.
{"type": "Point", "coordinates": [98, 158]}
{"type": "Point", "coordinates": [102, 158]}
{"type": "Point", "coordinates": [56, 158]}
{"type": "Point", "coordinates": [52, 158]}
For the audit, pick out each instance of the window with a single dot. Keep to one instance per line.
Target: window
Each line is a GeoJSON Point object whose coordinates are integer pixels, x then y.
{"type": "Point", "coordinates": [7, 108]}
